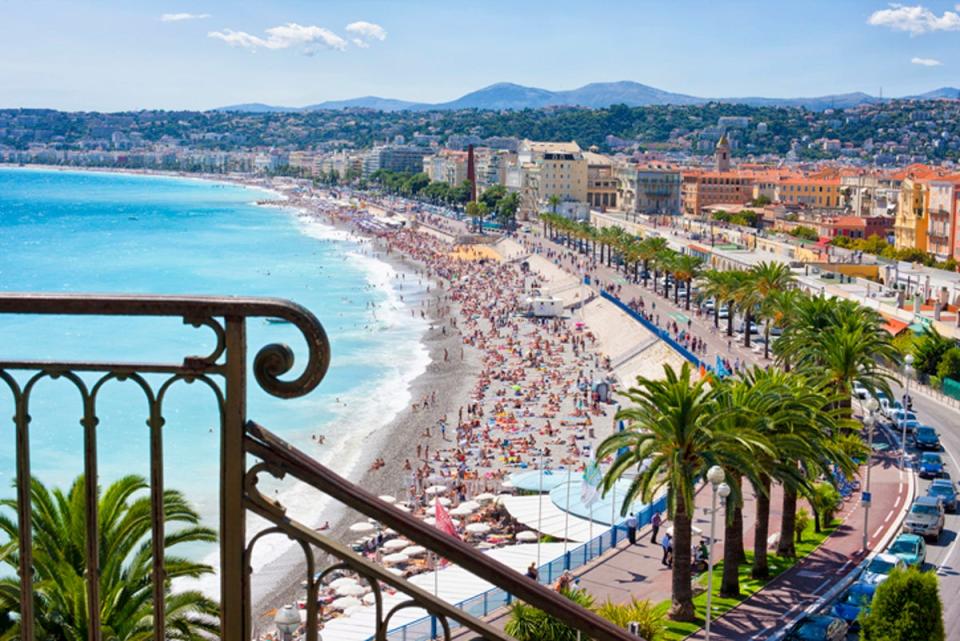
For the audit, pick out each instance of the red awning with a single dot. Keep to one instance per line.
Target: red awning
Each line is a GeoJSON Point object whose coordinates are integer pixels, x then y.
{"type": "Point", "coordinates": [894, 326]}
{"type": "Point", "coordinates": [824, 241]}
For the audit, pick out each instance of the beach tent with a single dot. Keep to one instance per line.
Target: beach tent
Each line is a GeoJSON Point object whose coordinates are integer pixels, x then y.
{"type": "Point", "coordinates": [363, 527]}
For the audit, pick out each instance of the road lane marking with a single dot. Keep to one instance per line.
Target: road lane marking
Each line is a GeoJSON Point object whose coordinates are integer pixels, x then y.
{"type": "Point", "coordinates": [879, 530]}
{"type": "Point", "coordinates": [889, 514]}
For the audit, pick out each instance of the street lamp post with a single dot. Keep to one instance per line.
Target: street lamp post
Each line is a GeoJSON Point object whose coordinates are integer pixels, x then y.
{"type": "Point", "coordinates": [715, 475]}
{"type": "Point", "coordinates": [287, 621]}
{"type": "Point", "coordinates": [869, 421]}
{"type": "Point", "coordinates": [907, 371]}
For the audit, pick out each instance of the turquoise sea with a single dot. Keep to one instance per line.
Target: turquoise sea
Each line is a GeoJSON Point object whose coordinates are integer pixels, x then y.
{"type": "Point", "coordinates": [95, 232]}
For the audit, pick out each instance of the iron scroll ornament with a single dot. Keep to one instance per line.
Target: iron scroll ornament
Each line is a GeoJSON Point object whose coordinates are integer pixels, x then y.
{"type": "Point", "coordinates": [270, 363]}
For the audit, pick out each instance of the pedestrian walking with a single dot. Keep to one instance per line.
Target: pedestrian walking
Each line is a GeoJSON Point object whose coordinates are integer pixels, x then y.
{"type": "Point", "coordinates": [667, 544]}
{"type": "Point", "coordinates": [532, 572]}
{"type": "Point", "coordinates": [632, 530]}
{"type": "Point", "coordinates": [655, 525]}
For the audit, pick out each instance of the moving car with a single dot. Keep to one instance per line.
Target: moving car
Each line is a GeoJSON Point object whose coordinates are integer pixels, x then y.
{"type": "Point", "coordinates": [855, 600]}
{"type": "Point", "coordinates": [819, 627]}
{"type": "Point", "coordinates": [925, 438]}
{"type": "Point", "coordinates": [925, 517]}
{"type": "Point", "coordinates": [909, 425]}
{"type": "Point", "coordinates": [911, 549]}
{"type": "Point", "coordinates": [902, 415]}
{"type": "Point", "coordinates": [944, 490]}
{"type": "Point", "coordinates": [880, 568]}
{"type": "Point", "coordinates": [931, 465]}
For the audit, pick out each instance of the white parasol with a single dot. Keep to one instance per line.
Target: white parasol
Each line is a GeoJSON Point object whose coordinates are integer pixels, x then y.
{"type": "Point", "coordinates": [350, 590]}
{"type": "Point", "coordinates": [345, 602]}
{"type": "Point", "coordinates": [477, 528]}
{"type": "Point", "coordinates": [395, 545]}
{"type": "Point", "coordinates": [396, 558]}
{"type": "Point", "coordinates": [527, 536]}
{"type": "Point", "coordinates": [362, 527]}
{"type": "Point", "coordinates": [386, 498]}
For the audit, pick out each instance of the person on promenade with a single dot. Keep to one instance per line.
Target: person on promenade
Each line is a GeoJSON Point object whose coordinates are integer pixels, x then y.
{"type": "Point", "coordinates": [667, 545]}
{"type": "Point", "coordinates": [655, 527]}
{"type": "Point", "coordinates": [532, 572]}
{"type": "Point", "coordinates": [632, 529]}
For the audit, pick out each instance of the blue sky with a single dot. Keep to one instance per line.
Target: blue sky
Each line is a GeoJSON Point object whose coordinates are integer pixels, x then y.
{"type": "Point", "coordinates": [113, 55]}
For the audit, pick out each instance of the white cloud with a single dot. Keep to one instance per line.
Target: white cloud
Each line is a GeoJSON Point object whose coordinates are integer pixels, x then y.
{"type": "Point", "coordinates": [926, 62]}
{"type": "Point", "coordinates": [367, 30]}
{"type": "Point", "coordinates": [180, 17]}
{"type": "Point", "coordinates": [915, 20]}
{"type": "Point", "coordinates": [360, 43]}
{"type": "Point", "coordinates": [284, 37]}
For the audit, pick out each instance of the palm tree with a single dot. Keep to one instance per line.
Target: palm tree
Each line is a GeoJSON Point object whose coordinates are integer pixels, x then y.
{"type": "Point", "coordinates": [686, 267]}
{"type": "Point", "coordinates": [769, 278]}
{"type": "Point", "coordinates": [554, 202]}
{"type": "Point", "coordinates": [719, 286]}
{"type": "Point", "coordinates": [777, 310]}
{"type": "Point", "coordinates": [648, 249]}
{"type": "Point", "coordinates": [663, 263]}
{"type": "Point", "coordinates": [748, 299]}
{"type": "Point", "coordinates": [126, 584]}
{"type": "Point", "coordinates": [672, 439]}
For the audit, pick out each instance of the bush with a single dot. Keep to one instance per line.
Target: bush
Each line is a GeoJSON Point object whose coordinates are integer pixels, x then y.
{"type": "Point", "coordinates": [527, 623]}
{"type": "Point", "coordinates": [802, 523]}
{"type": "Point", "coordinates": [824, 500]}
{"type": "Point", "coordinates": [651, 619]}
{"type": "Point", "coordinates": [906, 607]}
{"type": "Point", "coordinates": [949, 366]}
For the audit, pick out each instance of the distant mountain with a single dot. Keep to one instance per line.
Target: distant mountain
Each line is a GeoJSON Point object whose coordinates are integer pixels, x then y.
{"type": "Point", "coordinates": [367, 102]}
{"type": "Point", "coordinates": [936, 94]}
{"type": "Point", "coordinates": [257, 108]}
{"type": "Point", "coordinates": [507, 95]}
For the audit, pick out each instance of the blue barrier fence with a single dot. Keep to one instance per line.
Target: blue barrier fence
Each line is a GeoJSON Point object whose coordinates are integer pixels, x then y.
{"type": "Point", "coordinates": [662, 334]}
{"type": "Point", "coordinates": [429, 627]}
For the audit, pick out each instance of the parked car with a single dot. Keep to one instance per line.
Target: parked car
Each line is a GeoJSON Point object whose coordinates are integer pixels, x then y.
{"type": "Point", "coordinates": [854, 601]}
{"type": "Point", "coordinates": [911, 549]}
{"type": "Point", "coordinates": [925, 438]}
{"type": "Point", "coordinates": [888, 407]}
{"type": "Point", "coordinates": [946, 491]}
{"type": "Point", "coordinates": [925, 517]}
{"type": "Point", "coordinates": [902, 415]}
{"type": "Point", "coordinates": [724, 313]}
{"type": "Point", "coordinates": [861, 392]}
{"type": "Point", "coordinates": [880, 568]}
{"type": "Point", "coordinates": [819, 627]}
{"type": "Point", "coordinates": [910, 425]}
{"type": "Point", "coordinates": [931, 465]}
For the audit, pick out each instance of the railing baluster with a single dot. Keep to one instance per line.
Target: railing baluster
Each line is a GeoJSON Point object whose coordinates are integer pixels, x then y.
{"type": "Point", "coordinates": [157, 521]}
{"type": "Point", "coordinates": [91, 511]}
{"type": "Point", "coordinates": [234, 585]}
{"type": "Point", "coordinates": [24, 518]}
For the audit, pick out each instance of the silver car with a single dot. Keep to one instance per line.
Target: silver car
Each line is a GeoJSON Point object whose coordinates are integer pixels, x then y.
{"type": "Point", "coordinates": [926, 517]}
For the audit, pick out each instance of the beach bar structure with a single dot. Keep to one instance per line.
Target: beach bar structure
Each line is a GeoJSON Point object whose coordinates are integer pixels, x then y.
{"type": "Point", "coordinates": [248, 453]}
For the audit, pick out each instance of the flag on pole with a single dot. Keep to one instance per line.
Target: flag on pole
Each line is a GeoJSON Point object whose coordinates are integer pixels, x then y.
{"type": "Point", "coordinates": [590, 486]}
{"type": "Point", "coordinates": [443, 520]}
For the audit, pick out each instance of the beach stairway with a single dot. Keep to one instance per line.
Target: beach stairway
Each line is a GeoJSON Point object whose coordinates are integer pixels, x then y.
{"type": "Point", "coordinates": [248, 456]}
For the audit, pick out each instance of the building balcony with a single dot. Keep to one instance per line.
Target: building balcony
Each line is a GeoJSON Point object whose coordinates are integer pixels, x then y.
{"type": "Point", "coordinates": [248, 454]}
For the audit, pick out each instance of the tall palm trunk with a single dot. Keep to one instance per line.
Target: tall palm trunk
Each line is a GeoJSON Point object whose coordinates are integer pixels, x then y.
{"type": "Point", "coordinates": [747, 321]}
{"type": "Point", "coordinates": [733, 553]}
{"type": "Point", "coordinates": [730, 318]}
{"type": "Point", "coordinates": [646, 273]}
{"type": "Point", "coordinates": [766, 339]}
{"type": "Point", "coordinates": [689, 289]}
{"type": "Point", "coordinates": [676, 292]}
{"type": "Point", "coordinates": [716, 313]}
{"type": "Point", "coordinates": [788, 524]}
{"type": "Point", "coordinates": [761, 530]}
{"type": "Point", "coordinates": [682, 606]}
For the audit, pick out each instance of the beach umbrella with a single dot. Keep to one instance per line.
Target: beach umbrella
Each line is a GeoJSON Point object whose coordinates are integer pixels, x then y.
{"type": "Point", "coordinates": [386, 498]}
{"type": "Point", "coordinates": [362, 527]}
{"type": "Point", "coordinates": [436, 489]}
{"type": "Point", "coordinates": [486, 497]}
{"type": "Point", "coordinates": [473, 506]}
{"type": "Point", "coordinates": [444, 501]}
{"type": "Point", "coordinates": [350, 590]}
{"type": "Point", "coordinates": [345, 602]}
{"type": "Point", "coordinates": [501, 497]}
{"type": "Point", "coordinates": [395, 571]}
{"type": "Point", "coordinates": [527, 536]}
{"type": "Point", "coordinates": [415, 550]}
{"type": "Point", "coordinates": [477, 528]}
{"type": "Point", "coordinates": [393, 545]}
{"type": "Point", "coordinates": [461, 511]}
{"type": "Point", "coordinates": [357, 609]}
{"type": "Point", "coordinates": [429, 520]}
{"type": "Point", "coordinates": [402, 508]}
{"type": "Point", "coordinates": [396, 558]}
{"type": "Point", "coordinates": [338, 583]}
{"type": "Point", "coordinates": [369, 598]}
{"type": "Point", "coordinates": [507, 485]}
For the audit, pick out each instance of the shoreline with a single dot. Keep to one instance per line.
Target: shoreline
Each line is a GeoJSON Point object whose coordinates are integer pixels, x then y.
{"type": "Point", "coordinates": [451, 381]}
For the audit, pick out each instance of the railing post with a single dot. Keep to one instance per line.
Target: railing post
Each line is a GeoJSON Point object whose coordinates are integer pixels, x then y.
{"type": "Point", "coordinates": [24, 519]}
{"type": "Point", "coordinates": [433, 627]}
{"type": "Point", "coordinates": [485, 603]}
{"type": "Point", "coordinates": [234, 602]}
{"type": "Point", "coordinates": [566, 560]}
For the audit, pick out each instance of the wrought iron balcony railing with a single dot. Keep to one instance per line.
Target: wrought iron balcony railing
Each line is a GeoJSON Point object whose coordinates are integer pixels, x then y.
{"type": "Point", "coordinates": [247, 450]}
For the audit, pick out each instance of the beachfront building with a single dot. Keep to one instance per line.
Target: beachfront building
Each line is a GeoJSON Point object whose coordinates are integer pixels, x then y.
{"type": "Point", "coordinates": [869, 193]}
{"type": "Point", "coordinates": [398, 158]}
{"type": "Point", "coordinates": [649, 188]}
{"type": "Point", "coordinates": [943, 202]}
{"type": "Point", "coordinates": [547, 169]}
{"type": "Point", "coordinates": [447, 165]}
{"type": "Point", "coordinates": [820, 190]}
{"type": "Point", "coordinates": [911, 227]}
{"type": "Point", "coordinates": [601, 181]}
{"type": "Point", "coordinates": [854, 226]}
{"type": "Point", "coordinates": [701, 188]}
{"type": "Point", "coordinates": [492, 166]}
